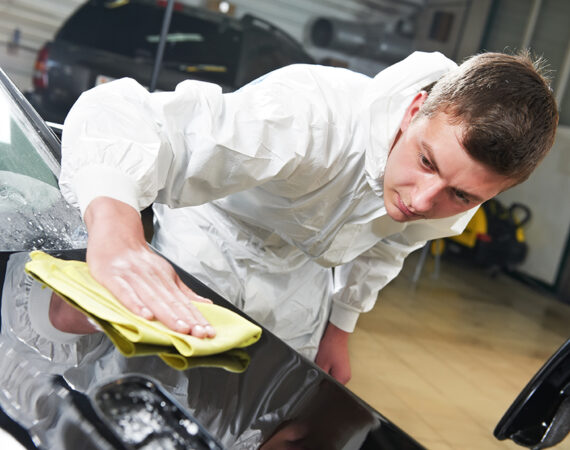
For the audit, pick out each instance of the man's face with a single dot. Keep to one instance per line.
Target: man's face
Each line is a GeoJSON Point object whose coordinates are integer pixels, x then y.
{"type": "Point", "coordinates": [429, 175]}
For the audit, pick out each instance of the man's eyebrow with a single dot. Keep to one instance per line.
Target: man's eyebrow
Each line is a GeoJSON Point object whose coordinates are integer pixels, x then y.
{"type": "Point", "coordinates": [430, 156]}
{"type": "Point", "coordinates": [471, 197]}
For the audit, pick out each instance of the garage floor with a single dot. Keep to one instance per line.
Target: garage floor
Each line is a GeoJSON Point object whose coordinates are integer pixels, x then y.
{"type": "Point", "coordinates": [445, 360]}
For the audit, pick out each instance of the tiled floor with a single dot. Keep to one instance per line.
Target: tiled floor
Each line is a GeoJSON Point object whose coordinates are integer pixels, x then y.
{"type": "Point", "coordinates": [445, 360]}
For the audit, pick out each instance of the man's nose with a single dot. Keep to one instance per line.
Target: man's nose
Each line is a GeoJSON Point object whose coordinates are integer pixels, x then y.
{"type": "Point", "coordinates": [426, 195]}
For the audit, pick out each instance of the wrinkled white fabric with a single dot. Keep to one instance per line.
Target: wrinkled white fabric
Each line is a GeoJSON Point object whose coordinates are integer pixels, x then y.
{"type": "Point", "coordinates": [274, 184]}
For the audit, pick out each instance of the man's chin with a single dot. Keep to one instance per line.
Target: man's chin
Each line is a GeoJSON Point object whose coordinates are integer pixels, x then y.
{"type": "Point", "coordinates": [396, 215]}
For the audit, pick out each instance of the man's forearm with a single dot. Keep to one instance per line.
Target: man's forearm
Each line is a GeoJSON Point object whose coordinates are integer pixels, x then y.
{"type": "Point", "coordinates": [333, 356]}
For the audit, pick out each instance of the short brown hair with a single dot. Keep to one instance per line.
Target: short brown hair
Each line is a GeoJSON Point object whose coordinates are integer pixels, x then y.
{"type": "Point", "coordinates": [507, 107]}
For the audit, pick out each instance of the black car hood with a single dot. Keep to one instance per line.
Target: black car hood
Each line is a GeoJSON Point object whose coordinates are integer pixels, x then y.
{"type": "Point", "coordinates": [279, 394]}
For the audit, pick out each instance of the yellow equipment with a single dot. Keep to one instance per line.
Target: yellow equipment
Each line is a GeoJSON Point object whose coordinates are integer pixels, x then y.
{"type": "Point", "coordinates": [494, 237]}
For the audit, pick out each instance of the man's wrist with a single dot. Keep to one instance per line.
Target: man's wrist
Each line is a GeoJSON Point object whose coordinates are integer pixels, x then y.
{"type": "Point", "coordinates": [343, 317]}
{"type": "Point", "coordinates": [110, 217]}
{"type": "Point", "coordinates": [336, 333]}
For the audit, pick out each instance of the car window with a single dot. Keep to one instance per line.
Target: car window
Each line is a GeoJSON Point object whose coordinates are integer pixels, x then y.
{"type": "Point", "coordinates": [34, 213]}
{"type": "Point", "coordinates": [195, 45]}
{"type": "Point", "coordinates": [118, 30]}
{"type": "Point", "coordinates": [265, 48]}
{"type": "Point", "coordinates": [133, 30]}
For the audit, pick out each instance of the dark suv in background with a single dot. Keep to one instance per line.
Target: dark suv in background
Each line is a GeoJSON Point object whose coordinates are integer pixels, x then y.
{"type": "Point", "coordinates": [107, 39]}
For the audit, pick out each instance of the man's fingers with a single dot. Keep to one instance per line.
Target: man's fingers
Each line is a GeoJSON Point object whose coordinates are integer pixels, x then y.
{"type": "Point", "coordinates": [180, 300]}
{"type": "Point", "coordinates": [324, 365]}
{"type": "Point", "coordinates": [122, 289]}
{"type": "Point", "coordinates": [153, 294]}
{"type": "Point", "coordinates": [342, 376]}
{"type": "Point", "coordinates": [187, 295]}
{"type": "Point", "coordinates": [162, 296]}
{"type": "Point", "coordinates": [190, 293]}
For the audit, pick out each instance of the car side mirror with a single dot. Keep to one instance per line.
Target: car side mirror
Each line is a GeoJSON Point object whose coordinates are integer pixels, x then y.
{"type": "Point", "coordinates": [540, 415]}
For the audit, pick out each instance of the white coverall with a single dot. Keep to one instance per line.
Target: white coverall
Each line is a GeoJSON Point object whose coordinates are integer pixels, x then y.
{"type": "Point", "coordinates": [266, 188]}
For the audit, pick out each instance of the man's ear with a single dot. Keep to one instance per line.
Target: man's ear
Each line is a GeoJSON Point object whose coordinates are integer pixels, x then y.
{"type": "Point", "coordinates": [413, 109]}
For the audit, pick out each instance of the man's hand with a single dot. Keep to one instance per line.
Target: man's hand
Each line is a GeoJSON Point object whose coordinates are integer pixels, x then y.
{"type": "Point", "coordinates": [332, 356]}
{"type": "Point", "coordinates": [120, 259]}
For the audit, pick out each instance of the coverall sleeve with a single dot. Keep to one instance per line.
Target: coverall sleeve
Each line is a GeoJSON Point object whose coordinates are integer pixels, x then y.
{"type": "Point", "coordinates": [189, 146]}
{"type": "Point", "coordinates": [357, 283]}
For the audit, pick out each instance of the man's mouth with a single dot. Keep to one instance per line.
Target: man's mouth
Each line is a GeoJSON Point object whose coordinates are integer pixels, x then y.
{"type": "Point", "coordinates": [404, 210]}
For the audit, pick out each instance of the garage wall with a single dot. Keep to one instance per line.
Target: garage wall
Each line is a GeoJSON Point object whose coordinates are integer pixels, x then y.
{"type": "Point", "coordinates": [542, 26]}
{"type": "Point", "coordinates": [546, 193]}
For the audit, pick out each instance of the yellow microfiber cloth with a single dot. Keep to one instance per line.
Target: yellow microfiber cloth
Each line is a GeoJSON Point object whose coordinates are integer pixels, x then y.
{"type": "Point", "coordinates": [234, 360]}
{"type": "Point", "coordinates": [73, 282]}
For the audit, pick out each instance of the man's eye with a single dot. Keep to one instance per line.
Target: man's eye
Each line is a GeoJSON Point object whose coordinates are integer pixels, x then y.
{"type": "Point", "coordinates": [461, 196]}
{"type": "Point", "coordinates": [425, 162]}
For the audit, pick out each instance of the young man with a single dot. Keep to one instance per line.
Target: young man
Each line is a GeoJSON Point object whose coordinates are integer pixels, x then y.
{"type": "Point", "coordinates": [261, 192]}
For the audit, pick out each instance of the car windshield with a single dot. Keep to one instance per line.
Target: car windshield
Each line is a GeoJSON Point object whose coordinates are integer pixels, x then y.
{"type": "Point", "coordinates": [34, 213]}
